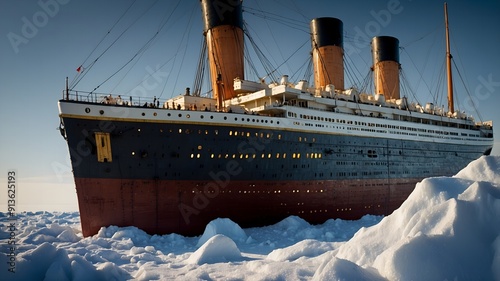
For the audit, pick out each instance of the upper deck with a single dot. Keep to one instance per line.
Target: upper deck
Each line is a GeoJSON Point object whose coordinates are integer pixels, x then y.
{"type": "Point", "coordinates": [286, 108]}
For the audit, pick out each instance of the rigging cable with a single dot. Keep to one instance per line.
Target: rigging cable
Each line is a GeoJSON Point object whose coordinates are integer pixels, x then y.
{"type": "Point", "coordinates": [112, 43]}
{"type": "Point", "coordinates": [266, 63]}
{"type": "Point", "coordinates": [102, 39]}
{"type": "Point", "coordinates": [140, 51]}
{"type": "Point", "coordinates": [468, 93]}
{"type": "Point", "coordinates": [188, 29]}
{"type": "Point", "coordinates": [200, 72]}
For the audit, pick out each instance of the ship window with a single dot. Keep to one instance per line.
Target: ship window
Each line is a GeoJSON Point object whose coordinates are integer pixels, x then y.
{"type": "Point", "coordinates": [200, 147]}
{"type": "Point", "coordinates": [103, 142]}
{"type": "Point", "coordinates": [284, 155]}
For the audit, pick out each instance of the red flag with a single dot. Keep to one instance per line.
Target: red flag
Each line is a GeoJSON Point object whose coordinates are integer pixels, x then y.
{"type": "Point", "coordinates": [79, 68]}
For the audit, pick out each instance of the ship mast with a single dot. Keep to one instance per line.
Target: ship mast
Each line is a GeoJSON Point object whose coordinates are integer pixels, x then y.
{"type": "Point", "coordinates": [451, 108]}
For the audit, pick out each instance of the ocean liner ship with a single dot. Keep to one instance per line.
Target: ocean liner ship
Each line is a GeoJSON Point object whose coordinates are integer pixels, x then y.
{"type": "Point", "coordinates": [257, 152]}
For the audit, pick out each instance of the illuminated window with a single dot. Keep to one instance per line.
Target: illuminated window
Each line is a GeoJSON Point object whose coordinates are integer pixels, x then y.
{"type": "Point", "coordinates": [284, 155]}
{"type": "Point", "coordinates": [230, 133]}
{"type": "Point", "coordinates": [180, 131]}
{"type": "Point", "coordinates": [200, 147]}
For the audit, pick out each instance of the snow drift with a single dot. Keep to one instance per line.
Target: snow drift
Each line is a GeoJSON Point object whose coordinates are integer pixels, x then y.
{"type": "Point", "coordinates": [448, 229]}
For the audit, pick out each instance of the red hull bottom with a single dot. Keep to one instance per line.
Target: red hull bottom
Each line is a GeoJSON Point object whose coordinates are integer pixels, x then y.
{"type": "Point", "coordinates": [186, 207]}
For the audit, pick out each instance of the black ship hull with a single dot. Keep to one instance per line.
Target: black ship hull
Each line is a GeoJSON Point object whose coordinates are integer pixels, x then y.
{"type": "Point", "coordinates": [169, 176]}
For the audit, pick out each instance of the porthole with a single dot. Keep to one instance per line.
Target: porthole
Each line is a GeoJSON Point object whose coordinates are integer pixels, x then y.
{"type": "Point", "coordinates": [101, 112]}
{"type": "Point", "coordinates": [188, 116]}
{"type": "Point", "coordinates": [154, 114]}
{"type": "Point", "coordinates": [87, 110]}
{"type": "Point", "coordinates": [143, 114]}
{"type": "Point", "coordinates": [168, 114]}
{"type": "Point", "coordinates": [225, 117]}
{"type": "Point", "coordinates": [180, 115]}
{"type": "Point", "coordinates": [201, 116]}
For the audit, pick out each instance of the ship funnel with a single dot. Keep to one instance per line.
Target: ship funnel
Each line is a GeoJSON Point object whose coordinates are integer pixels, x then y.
{"type": "Point", "coordinates": [327, 52]}
{"type": "Point", "coordinates": [224, 36]}
{"type": "Point", "coordinates": [385, 51]}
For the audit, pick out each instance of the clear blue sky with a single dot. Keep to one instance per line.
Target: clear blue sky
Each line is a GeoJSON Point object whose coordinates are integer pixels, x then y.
{"type": "Point", "coordinates": [44, 41]}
